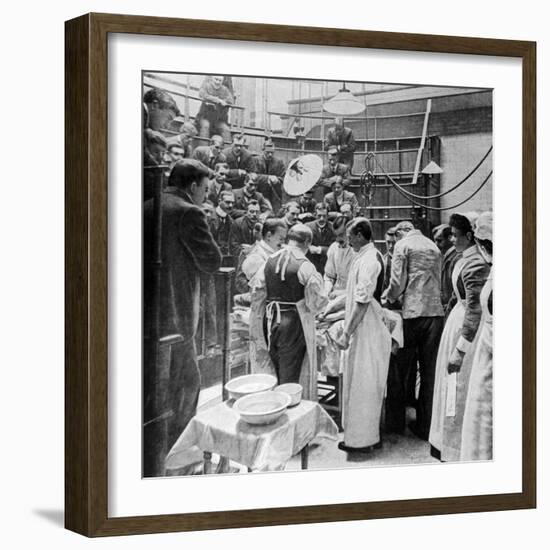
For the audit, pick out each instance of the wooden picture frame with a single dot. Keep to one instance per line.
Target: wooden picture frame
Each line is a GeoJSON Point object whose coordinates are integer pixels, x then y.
{"type": "Point", "coordinates": [86, 419]}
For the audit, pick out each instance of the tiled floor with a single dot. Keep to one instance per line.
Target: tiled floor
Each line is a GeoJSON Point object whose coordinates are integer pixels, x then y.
{"type": "Point", "coordinates": [396, 449]}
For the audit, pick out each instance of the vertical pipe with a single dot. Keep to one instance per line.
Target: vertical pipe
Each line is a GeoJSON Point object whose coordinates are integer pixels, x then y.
{"type": "Point", "coordinates": [324, 87]}
{"type": "Point", "coordinates": [156, 262]}
{"type": "Point", "coordinates": [227, 274]}
{"type": "Point", "coordinates": [187, 92]}
{"type": "Point", "coordinates": [299, 103]}
{"type": "Point", "coordinates": [364, 87]}
{"type": "Point", "coordinates": [267, 124]}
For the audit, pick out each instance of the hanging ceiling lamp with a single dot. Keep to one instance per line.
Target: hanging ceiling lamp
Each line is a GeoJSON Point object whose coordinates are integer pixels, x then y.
{"type": "Point", "coordinates": [344, 103]}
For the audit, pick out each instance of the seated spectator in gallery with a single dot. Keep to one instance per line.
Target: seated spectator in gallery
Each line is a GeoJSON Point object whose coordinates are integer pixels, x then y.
{"type": "Point", "coordinates": [218, 183]}
{"type": "Point", "coordinates": [271, 172]}
{"type": "Point", "coordinates": [221, 224]}
{"type": "Point", "coordinates": [174, 153]}
{"type": "Point", "coordinates": [343, 139]}
{"type": "Point", "coordinates": [210, 155]}
{"type": "Point", "coordinates": [307, 203]}
{"type": "Point", "coordinates": [337, 197]}
{"type": "Point", "coordinates": [213, 114]}
{"type": "Point", "coordinates": [333, 171]}
{"type": "Point", "coordinates": [240, 161]}
{"type": "Point", "coordinates": [291, 211]}
{"type": "Point", "coordinates": [153, 156]}
{"type": "Point", "coordinates": [187, 133]}
{"type": "Point", "coordinates": [249, 193]}
{"type": "Point", "coordinates": [242, 231]}
{"type": "Point", "coordinates": [159, 109]}
{"type": "Point", "coordinates": [323, 237]}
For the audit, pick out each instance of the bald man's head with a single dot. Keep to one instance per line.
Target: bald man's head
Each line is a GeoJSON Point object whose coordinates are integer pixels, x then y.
{"type": "Point", "coordinates": [301, 235]}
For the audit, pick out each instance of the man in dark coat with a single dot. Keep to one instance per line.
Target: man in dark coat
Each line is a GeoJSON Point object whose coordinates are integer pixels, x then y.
{"type": "Point", "coordinates": [210, 155]}
{"type": "Point", "coordinates": [271, 172]}
{"type": "Point", "coordinates": [218, 183]}
{"type": "Point", "coordinates": [159, 109]}
{"type": "Point", "coordinates": [343, 139]}
{"type": "Point", "coordinates": [186, 138]}
{"type": "Point", "coordinates": [221, 224]}
{"type": "Point", "coordinates": [188, 249]}
{"type": "Point", "coordinates": [307, 203]}
{"type": "Point", "coordinates": [337, 198]}
{"type": "Point", "coordinates": [333, 171]}
{"type": "Point", "coordinates": [323, 237]}
{"type": "Point", "coordinates": [442, 237]}
{"type": "Point", "coordinates": [240, 161]}
{"type": "Point", "coordinates": [242, 231]}
{"type": "Point", "coordinates": [153, 154]}
{"type": "Point", "coordinates": [249, 193]}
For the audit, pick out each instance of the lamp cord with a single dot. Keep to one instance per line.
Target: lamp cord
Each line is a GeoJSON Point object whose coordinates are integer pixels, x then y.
{"type": "Point", "coordinates": [399, 189]}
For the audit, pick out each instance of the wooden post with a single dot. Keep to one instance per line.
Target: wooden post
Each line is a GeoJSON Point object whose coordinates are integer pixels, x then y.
{"type": "Point", "coordinates": [155, 427]}
{"type": "Point", "coordinates": [304, 457]}
{"type": "Point", "coordinates": [422, 141]}
{"type": "Point", "coordinates": [207, 462]}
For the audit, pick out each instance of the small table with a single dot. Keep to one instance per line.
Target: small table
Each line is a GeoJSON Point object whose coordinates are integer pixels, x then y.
{"type": "Point", "coordinates": [262, 448]}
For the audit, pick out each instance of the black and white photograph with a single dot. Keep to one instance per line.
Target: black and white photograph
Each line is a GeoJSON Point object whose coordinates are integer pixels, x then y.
{"type": "Point", "coordinates": [317, 274]}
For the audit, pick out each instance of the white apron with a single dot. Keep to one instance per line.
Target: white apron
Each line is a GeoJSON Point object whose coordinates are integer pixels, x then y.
{"type": "Point", "coordinates": [366, 361]}
{"type": "Point", "coordinates": [450, 390]}
{"type": "Point", "coordinates": [477, 428]}
{"type": "Point", "coordinates": [443, 403]}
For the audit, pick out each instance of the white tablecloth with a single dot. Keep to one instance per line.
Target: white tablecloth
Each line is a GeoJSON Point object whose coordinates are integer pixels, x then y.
{"type": "Point", "coordinates": [220, 430]}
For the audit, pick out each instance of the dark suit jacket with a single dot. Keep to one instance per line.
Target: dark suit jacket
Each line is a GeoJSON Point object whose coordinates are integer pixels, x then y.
{"type": "Point", "coordinates": [334, 206]}
{"type": "Point", "coordinates": [188, 249]}
{"type": "Point", "coordinates": [322, 237]}
{"type": "Point", "coordinates": [328, 175]}
{"type": "Point", "coordinates": [223, 234]}
{"type": "Point", "coordinates": [264, 169]}
{"type": "Point", "coordinates": [213, 194]}
{"type": "Point", "coordinates": [447, 265]}
{"type": "Point", "coordinates": [241, 203]}
{"type": "Point", "coordinates": [307, 205]}
{"type": "Point", "coordinates": [345, 140]}
{"type": "Point", "coordinates": [242, 231]}
{"type": "Point", "coordinates": [245, 162]}
{"type": "Point", "coordinates": [202, 153]}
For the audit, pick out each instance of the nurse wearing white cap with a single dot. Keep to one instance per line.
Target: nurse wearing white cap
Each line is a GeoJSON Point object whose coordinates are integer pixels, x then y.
{"type": "Point", "coordinates": [477, 428]}
{"type": "Point", "coordinates": [458, 341]}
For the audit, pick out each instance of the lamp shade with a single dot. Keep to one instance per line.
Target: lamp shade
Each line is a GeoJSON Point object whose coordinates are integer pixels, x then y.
{"type": "Point", "coordinates": [432, 168]}
{"type": "Point", "coordinates": [344, 103]}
